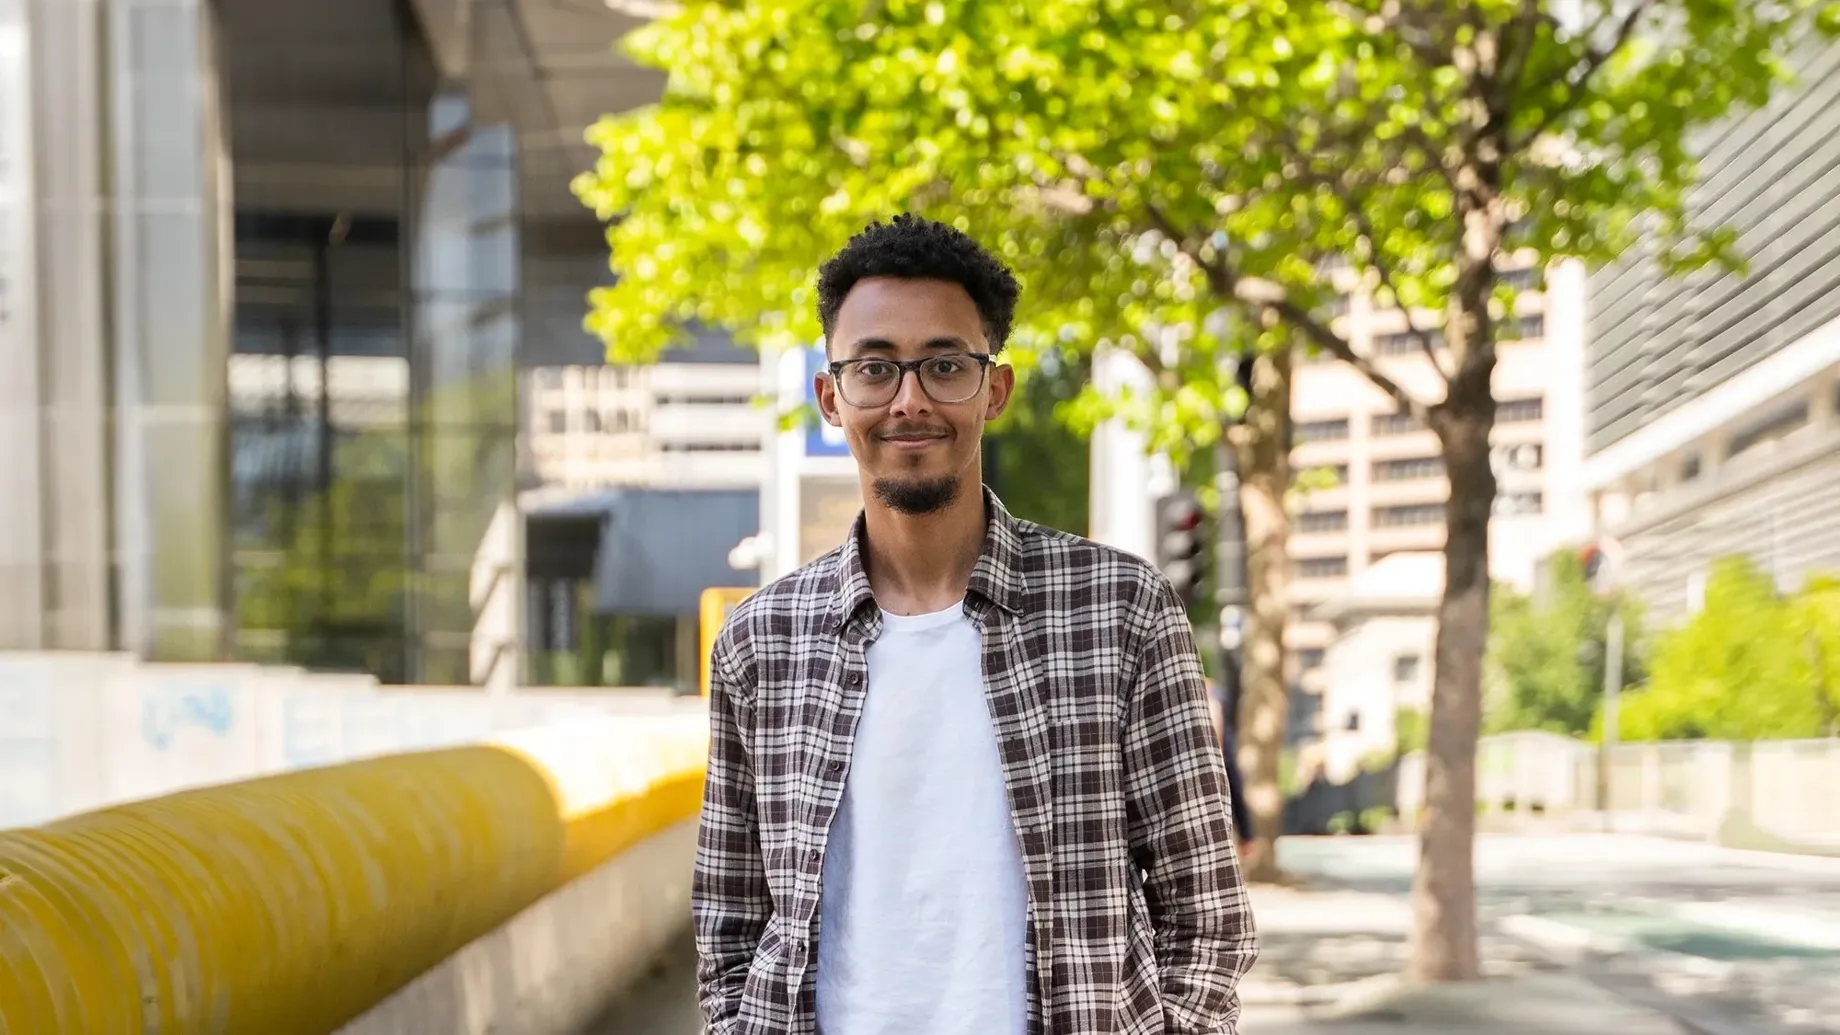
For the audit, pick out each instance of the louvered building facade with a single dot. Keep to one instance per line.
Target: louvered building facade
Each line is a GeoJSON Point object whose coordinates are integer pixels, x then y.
{"type": "Point", "coordinates": [1712, 402]}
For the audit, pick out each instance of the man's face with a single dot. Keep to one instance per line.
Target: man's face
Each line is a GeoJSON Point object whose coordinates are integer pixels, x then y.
{"type": "Point", "coordinates": [916, 447]}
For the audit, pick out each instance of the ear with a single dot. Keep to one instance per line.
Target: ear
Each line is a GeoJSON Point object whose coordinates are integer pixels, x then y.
{"type": "Point", "coordinates": [825, 389]}
{"type": "Point", "coordinates": [1002, 386]}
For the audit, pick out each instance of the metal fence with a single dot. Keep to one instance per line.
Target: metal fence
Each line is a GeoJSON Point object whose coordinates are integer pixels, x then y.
{"type": "Point", "coordinates": [1760, 794]}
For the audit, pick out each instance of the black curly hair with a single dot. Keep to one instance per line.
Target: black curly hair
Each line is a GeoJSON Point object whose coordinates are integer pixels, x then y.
{"type": "Point", "coordinates": [916, 248]}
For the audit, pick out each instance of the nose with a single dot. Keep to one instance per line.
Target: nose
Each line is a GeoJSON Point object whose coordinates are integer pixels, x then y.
{"type": "Point", "coordinates": [909, 397]}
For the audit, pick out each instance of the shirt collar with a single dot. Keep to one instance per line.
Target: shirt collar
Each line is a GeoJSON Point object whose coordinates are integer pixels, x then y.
{"type": "Point", "coordinates": [996, 578]}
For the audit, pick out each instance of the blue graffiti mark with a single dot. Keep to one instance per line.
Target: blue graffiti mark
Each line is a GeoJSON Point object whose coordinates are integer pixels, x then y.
{"type": "Point", "coordinates": [163, 714]}
{"type": "Point", "coordinates": [309, 733]}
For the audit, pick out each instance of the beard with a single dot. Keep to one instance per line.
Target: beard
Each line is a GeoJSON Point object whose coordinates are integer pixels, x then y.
{"type": "Point", "coordinates": [915, 497]}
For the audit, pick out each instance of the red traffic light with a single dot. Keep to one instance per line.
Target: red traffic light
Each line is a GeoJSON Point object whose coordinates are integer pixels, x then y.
{"type": "Point", "coordinates": [1181, 513]}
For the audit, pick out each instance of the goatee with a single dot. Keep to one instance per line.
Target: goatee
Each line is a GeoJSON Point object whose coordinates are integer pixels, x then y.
{"type": "Point", "coordinates": [917, 497]}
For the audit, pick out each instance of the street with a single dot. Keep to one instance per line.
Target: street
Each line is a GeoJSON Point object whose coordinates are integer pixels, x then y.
{"type": "Point", "coordinates": [1728, 942]}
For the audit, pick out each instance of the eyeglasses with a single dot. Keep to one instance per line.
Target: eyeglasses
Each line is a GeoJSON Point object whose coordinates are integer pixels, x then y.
{"type": "Point", "coordinates": [871, 381]}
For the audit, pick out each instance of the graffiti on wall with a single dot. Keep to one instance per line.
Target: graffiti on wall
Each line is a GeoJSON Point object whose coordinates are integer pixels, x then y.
{"type": "Point", "coordinates": [169, 708]}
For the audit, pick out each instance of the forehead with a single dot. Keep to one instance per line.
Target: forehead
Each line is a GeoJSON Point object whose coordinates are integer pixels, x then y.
{"type": "Point", "coordinates": [884, 314]}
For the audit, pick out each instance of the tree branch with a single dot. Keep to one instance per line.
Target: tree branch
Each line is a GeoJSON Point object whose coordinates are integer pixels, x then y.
{"type": "Point", "coordinates": [1276, 304]}
{"type": "Point", "coordinates": [1344, 193]}
{"type": "Point", "coordinates": [1396, 18]}
{"type": "Point", "coordinates": [1523, 29]}
{"type": "Point", "coordinates": [1581, 74]}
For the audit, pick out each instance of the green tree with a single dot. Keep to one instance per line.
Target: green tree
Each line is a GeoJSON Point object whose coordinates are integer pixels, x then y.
{"type": "Point", "coordinates": [1546, 653]}
{"type": "Point", "coordinates": [1816, 611]}
{"type": "Point", "coordinates": [1033, 456]}
{"type": "Point", "coordinates": [1149, 168]}
{"type": "Point", "coordinates": [1750, 665]}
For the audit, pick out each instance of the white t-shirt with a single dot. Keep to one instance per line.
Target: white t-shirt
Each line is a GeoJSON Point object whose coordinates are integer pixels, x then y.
{"type": "Point", "coordinates": [924, 921]}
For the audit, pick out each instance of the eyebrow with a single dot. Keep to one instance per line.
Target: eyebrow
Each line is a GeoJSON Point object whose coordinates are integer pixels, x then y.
{"type": "Point", "coordinates": [940, 344]}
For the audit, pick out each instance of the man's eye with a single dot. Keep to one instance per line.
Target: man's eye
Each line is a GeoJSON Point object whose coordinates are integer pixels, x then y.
{"type": "Point", "coordinates": [875, 371]}
{"type": "Point", "coordinates": [948, 366]}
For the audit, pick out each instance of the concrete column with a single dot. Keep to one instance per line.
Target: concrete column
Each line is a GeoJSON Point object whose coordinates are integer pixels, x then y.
{"type": "Point", "coordinates": [22, 538]}
{"type": "Point", "coordinates": [172, 290]}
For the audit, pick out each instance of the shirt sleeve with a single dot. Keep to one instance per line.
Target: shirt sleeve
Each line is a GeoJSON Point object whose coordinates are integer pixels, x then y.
{"type": "Point", "coordinates": [729, 899]}
{"type": "Point", "coordinates": [1181, 831]}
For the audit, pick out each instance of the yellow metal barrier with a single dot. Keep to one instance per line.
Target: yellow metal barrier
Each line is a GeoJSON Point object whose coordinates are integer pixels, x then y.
{"type": "Point", "coordinates": [293, 903]}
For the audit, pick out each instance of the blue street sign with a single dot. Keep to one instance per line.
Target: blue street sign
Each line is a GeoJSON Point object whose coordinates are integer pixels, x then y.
{"type": "Point", "coordinates": [821, 439]}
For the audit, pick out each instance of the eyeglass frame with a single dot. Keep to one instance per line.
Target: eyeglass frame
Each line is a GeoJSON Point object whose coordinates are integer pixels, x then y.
{"type": "Point", "coordinates": [907, 366]}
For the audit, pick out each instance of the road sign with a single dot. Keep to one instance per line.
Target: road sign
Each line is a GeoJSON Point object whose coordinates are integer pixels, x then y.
{"type": "Point", "coordinates": [821, 438]}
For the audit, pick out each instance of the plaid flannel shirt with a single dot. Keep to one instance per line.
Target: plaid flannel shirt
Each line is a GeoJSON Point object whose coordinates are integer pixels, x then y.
{"type": "Point", "coordinates": [1138, 920]}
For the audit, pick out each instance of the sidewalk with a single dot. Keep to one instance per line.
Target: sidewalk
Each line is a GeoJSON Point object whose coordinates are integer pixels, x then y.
{"type": "Point", "coordinates": [1330, 961]}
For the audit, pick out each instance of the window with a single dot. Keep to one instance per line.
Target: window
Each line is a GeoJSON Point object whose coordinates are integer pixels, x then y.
{"type": "Point", "coordinates": [1770, 428]}
{"type": "Point", "coordinates": [1353, 723]}
{"type": "Point", "coordinates": [1518, 504]}
{"type": "Point", "coordinates": [1519, 280]}
{"type": "Point", "coordinates": [1319, 431]}
{"type": "Point", "coordinates": [1689, 468]}
{"type": "Point", "coordinates": [711, 447]}
{"type": "Point", "coordinates": [1409, 516]}
{"type": "Point", "coordinates": [1520, 411]}
{"type": "Point", "coordinates": [1310, 658]}
{"type": "Point", "coordinates": [1405, 668]}
{"type": "Point", "coordinates": [591, 420]}
{"type": "Point", "coordinates": [1525, 456]}
{"type": "Point", "coordinates": [1337, 474]}
{"type": "Point", "coordinates": [1321, 567]}
{"type": "Point", "coordinates": [1404, 343]}
{"type": "Point", "coordinates": [1412, 469]}
{"type": "Point", "coordinates": [558, 421]}
{"type": "Point", "coordinates": [1318, 521]}
{"type": "Point", "coordinates": [1395, 424]}
{"type": "Point", "coordinates": [705, 399]}
{"type": "Point", "coordinates": [1520, 328]}
{"type": "Point", "coordinates": [1338, 306]}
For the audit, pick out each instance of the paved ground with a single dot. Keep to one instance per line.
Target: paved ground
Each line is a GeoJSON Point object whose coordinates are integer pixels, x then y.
{"type": "Point", "coordinates": [1657, 932]}
{"type": "Point", "coordinates": [1737, 942]}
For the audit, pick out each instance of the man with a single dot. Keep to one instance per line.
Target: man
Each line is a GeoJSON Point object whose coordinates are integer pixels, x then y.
{"type": "Point", "coordinates": [961, 775]}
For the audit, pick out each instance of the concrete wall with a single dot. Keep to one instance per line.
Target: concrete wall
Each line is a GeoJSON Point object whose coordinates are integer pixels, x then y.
{"type": "Point", "coordinates": [80, 731]}
{"type": "Point", "coordinates": [1769, 794]}
{"type": "Point", "coordinates": [561, 963]}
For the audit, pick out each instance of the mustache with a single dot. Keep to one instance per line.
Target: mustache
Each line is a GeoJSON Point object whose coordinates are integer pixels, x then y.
{"type": "Point", "coordinates": [912, 431]}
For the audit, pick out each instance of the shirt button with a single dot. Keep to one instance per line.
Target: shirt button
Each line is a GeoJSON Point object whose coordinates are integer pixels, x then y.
{"type": "Point", "coordinates": [835, 767]}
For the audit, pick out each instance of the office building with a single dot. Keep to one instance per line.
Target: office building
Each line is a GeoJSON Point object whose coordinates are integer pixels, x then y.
{"type": "Point", "coordinates": [1367, 525]}
{"type": "Point", "coordinates": [1713, 400]}
{"type": "Point", "coordinates": [268, 274]}
{"type": "Point", "coordinates": [696, 419]}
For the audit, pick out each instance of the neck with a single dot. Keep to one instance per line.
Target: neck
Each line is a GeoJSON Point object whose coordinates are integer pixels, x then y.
{"type": "Point", "coordinates": [920, 563]}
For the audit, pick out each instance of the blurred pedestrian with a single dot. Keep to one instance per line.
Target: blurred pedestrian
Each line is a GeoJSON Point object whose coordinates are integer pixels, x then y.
{"type": "Point", "coordinates": [1220, 708]}
{"type": "Point", "coordinates": [960, 776]}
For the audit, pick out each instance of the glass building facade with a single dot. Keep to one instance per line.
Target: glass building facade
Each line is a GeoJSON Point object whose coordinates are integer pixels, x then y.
{"type": "Point", "coordinates": [284, 263]}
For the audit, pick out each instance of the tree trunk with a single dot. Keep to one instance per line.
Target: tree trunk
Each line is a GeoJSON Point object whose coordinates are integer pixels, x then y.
{"type": "Point", "coordinates": [1444, 942]}
{"type": "Point", "coordinates": [1261, 445]}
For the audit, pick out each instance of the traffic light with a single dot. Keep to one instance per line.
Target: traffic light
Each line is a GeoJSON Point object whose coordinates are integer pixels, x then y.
{"type": "Point", "coordinates": [1181, 543]}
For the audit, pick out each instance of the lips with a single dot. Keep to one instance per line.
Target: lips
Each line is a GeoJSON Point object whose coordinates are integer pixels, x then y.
{"type": "Point", "coordinates": [912, 438]}
{"type": "Point", "coordinates": [912, 441]}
